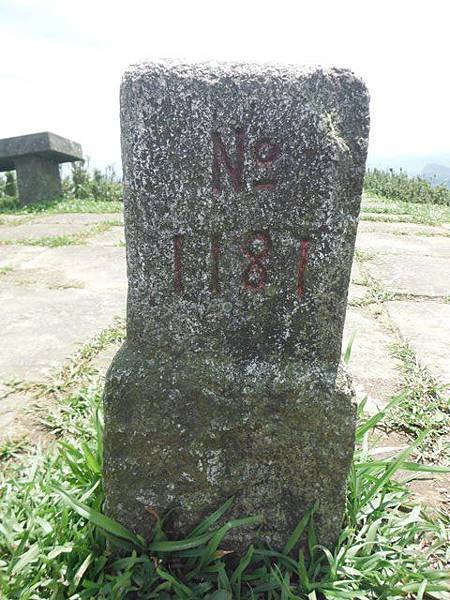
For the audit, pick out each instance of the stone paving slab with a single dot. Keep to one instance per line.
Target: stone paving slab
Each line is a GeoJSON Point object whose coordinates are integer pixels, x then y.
{"type": "Point", "coordinates": [12, 419]}
{"type": "Point", "coordinates": [53, 225]}
{"type": "Point", "coordinates": [357, 290]}
{"type": "Point", "coordinates": [371, 366]}
{"type": "Point", "coordinates": [57, 299]}
{"type": "Point", "coordinates": [78, 218]}
{"type": "Point", "coordinates": [45, 327]}
{"type": "Point", "coordinates": [113, 237]}
{"type": "Point", "coordinates": [34, 231]}
{"type": "Point", "coordinates": [15, 257]}
{"type": "Point", "coordinates": [426, 327]}
{"type": "Point", "coordinates": [100, 268]}
{"type": "Point", "coordinates": [400, 228]}
{"type": "Point", "coordinates": [356, 294]}
{"type": "Point", "coordinates": [382, 242]}
{"type": "Point", "coordinates": [412, 274]}
{"type": "Point", "coordinates": [431, 490]}
{"type": "Point", "coordinates": [357, 276]}
{"type": "Point", "coordinates": [40, 277]}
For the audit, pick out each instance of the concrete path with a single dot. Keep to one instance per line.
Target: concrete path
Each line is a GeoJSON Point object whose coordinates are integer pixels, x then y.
{"type": "Point", "coordinates": [54, 299]}
{"type": "Point", "coordinates": [400, 298]}
{"type": "Point", "coordinates": [406, 269]}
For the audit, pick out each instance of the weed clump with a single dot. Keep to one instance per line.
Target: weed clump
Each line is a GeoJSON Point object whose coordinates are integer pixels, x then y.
{"type": "Point", "coordinates": [84, 184]}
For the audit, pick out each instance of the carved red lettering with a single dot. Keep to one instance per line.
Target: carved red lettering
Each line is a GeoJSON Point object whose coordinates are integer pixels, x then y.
{"type": "Point", "coordinates": [266, 152]}
{"type": "Point", "coordinates": [177, 264]}
{"type": "Point", "coordinates": [215, 256]}
{"type": "Point", "coordinates": [264, 184]}
{"type": "Point", "coordinates": [234, 170]}
{"type": "Point", "coordinates": [302, 259]}
{"type": "Point", "coordinates": [256, 248]}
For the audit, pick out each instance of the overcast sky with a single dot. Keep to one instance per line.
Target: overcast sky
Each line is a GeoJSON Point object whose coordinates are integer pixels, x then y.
{"type": "Point", "coordinates": [62, 61]}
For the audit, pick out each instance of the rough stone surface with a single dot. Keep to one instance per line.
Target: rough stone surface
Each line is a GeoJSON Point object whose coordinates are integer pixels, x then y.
{"type": "Point", "coordinates": [35, 158]}
{"type": "Point", "coordinates": [242, 192]}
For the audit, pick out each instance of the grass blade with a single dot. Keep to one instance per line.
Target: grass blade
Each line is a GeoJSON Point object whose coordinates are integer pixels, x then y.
{"type": "Point", "coordinates": [209, 522]}
{"type": "Point", "coordinates": [296, 534]}
{"type": "Point", "coordinates": [95, 517]}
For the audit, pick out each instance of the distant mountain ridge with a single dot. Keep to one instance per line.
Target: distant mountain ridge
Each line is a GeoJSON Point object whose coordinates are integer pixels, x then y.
{"type": "Point", "coordinates": [436, 174]}
{"type": "Point", "coordinates": [412, 164]}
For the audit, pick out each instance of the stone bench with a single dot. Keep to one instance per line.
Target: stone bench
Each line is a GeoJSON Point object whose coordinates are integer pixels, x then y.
{"type": "Point", "coordinates": [35, 158]}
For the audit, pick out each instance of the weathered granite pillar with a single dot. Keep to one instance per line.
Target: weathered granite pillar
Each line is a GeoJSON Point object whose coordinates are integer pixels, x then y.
{"type": "Point", "coordinates": [242, 194]}
{"type": "Point", "coordinates": [38, 179]}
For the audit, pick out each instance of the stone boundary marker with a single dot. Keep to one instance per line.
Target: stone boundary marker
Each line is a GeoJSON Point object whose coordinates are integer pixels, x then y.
{"type": "Point", "coordinates": [242, 193]}
{"type": "Point", "coordinates": [36, 157]}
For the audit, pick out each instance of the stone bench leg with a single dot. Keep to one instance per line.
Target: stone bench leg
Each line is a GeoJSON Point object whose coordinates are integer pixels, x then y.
{"type": "Point", "coordinates": [38, 179]}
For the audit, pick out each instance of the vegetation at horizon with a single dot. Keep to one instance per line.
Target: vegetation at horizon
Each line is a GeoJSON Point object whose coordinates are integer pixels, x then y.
{"type": "Point", "coordinates": [399, 186]}
{"type": "Point", "coordinates": [414, 199]}
{"type": "Point", "coordinates": [84, 190]}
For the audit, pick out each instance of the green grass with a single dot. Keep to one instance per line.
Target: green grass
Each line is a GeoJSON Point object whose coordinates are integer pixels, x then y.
{"type": "Point", "coordinates": [4, 270]}
{"type": "Point", "coordinates": [61, 205]}
{"type": "Point", "coordinates": [50, 241]}
{"type": "Point", "coordinates": [380, 208]}
{"type": "Point", "coordinates": [425, 406]}
{"type": "Point", "coordinates": [363, 256]}
{"type": "Point", "coordinates": [74, 239]}
{"type": "Point", "coordinates": [16, 221]}
{"type": "Point", "coordinates": [55, 540]}
{"type": "Point", "coordinates": [8, 204]}
{"type": "Point", "coordinates": [12, 448]}
{"type": "Point", "coordinates": [418, 233]}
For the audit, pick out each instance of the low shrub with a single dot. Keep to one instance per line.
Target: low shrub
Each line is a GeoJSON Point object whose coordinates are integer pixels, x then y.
{"type": "Point", "coordinates": [8, 192]}
{"type": "Point", "coordinates": [84, 184]}
{"type": "Point", "coordinates": [400, 186]}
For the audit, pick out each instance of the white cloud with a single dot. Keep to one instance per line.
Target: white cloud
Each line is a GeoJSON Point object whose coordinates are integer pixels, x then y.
{"type": "Point", "coordinates": [62, 61]}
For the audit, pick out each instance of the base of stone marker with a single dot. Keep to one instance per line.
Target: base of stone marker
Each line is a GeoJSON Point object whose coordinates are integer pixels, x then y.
{"type": "Point", "coordinates": [275, 438]}
{"type": "Point", "coordinates": [38, 179]}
